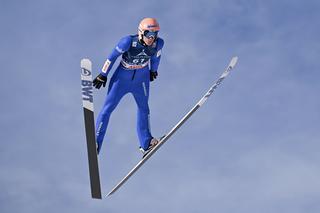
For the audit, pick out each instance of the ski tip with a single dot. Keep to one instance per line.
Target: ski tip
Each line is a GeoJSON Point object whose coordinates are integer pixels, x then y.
{"type": "Point", "coordinates": [233, 62]}
{"type": "Point", "coordinates": [86, 63]}
{"type": "Point", "coordinates": [110, 193]}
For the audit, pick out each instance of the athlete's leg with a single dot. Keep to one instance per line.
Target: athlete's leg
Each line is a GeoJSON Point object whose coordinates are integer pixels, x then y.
{"type": "Point", "coordinates": [141, 96]}
{"type": "Point", "coordinates": [115, 92]}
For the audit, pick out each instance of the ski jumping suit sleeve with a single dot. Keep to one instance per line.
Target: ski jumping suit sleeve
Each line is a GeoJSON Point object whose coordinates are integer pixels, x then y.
{"type": "Point", "coordinates": [155, 59]}
{"type": "Point", "coordinates": [121, 47]}
{"type": "Point", "coordinates": [131, 76]}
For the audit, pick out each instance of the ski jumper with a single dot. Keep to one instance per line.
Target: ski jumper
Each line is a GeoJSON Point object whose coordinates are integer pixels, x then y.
{"type": "Point", "coordinates": [131, 76]}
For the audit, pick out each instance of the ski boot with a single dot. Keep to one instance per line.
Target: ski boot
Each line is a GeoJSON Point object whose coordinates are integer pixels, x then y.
{"type": "Point", "coordinates": [152, 144]}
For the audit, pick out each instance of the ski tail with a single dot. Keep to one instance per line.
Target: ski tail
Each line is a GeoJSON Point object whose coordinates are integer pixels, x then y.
{"type": "Point", "coordinates": [87, 102]}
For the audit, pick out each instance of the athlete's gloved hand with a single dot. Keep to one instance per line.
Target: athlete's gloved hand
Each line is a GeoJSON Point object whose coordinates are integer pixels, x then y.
{"type": "Point", "coordinates": [99, 80]}
{"type": "Point", "coordinates": [153, 75]}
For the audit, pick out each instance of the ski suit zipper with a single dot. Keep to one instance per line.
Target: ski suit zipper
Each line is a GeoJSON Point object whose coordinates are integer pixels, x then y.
{"type": "Point", "coordinates": [134, 73]}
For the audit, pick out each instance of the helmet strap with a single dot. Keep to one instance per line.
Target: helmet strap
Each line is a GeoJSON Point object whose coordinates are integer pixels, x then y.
{"type": "Point", "coordinates": [141, 39]}
{"type": "Point", "coordinates": [140, 34]}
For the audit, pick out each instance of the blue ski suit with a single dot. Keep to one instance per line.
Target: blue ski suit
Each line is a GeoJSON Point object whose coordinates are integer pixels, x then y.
{"type": "Point", "coordinates": [131, 76]}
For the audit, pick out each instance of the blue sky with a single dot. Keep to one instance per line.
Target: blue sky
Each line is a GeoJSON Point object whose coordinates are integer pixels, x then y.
{"type": "Point", "coordinates": [253, 147]}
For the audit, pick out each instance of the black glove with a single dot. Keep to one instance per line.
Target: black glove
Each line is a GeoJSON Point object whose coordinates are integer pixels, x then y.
{"type": "Point", "coordinates": [153, 75]}
{"type": "Point", "coordinates": [99, 80]}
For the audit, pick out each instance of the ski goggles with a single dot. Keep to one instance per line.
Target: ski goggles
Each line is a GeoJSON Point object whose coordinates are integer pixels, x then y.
{"type": "Point", "coordinates": [150, 34]}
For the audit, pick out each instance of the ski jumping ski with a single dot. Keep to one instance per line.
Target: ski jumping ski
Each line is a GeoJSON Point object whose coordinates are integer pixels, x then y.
{"type": "Point", "coordinates": [87, 102]}
{"type": "Point", "coordinates": [164, 138]}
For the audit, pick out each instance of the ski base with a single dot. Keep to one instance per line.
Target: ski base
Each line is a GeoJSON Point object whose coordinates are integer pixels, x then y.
{"type": "Point", "coordinates": [87, 102]}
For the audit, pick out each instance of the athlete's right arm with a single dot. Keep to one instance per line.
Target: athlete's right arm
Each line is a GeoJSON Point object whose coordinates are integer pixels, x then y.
{"type": "Point", "coordinates": [122, 46]}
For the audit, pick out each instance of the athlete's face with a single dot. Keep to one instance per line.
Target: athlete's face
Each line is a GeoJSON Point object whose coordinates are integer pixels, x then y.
{"type": "Point", "coordinates": [148, 40]}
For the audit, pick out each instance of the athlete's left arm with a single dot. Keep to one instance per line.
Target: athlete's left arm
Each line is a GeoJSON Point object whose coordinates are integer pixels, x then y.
{"type": "Point", "coordinates": [155, 59]}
